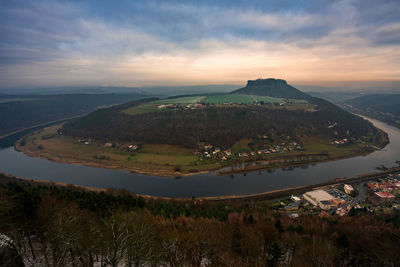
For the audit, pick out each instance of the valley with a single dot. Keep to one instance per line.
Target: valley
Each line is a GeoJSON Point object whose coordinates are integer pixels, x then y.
{"type": "Point", "coordinates": [188, 135]}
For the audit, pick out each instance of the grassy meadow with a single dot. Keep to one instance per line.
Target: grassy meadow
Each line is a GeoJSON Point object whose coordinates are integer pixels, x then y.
{"type": "Point", "coordinates": [158, 159]}
{"type": "Point", "coordinates": [230, 99]}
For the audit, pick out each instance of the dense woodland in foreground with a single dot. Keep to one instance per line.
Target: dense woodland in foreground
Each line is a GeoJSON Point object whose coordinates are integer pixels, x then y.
{"type": "Point", "coordinates": [220, 126]}
{"type": "Point", "coordinates": [61, 226]}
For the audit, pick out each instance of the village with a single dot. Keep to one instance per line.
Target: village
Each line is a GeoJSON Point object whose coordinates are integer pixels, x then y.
{"type": "Point", "coordinates": [263, 147]}
{"type": "Point", "coordinates": [205, 105]}
{"type": "Point", "coordinates": [377, 195]}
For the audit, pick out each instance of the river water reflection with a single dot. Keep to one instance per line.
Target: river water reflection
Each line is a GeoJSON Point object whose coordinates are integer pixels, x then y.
{"type": "Point", "coordinates": [210, 184]}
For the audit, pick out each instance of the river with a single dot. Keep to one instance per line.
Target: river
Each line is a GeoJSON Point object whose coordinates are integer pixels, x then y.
{"type": "Point", "coordinates": [209, 184]}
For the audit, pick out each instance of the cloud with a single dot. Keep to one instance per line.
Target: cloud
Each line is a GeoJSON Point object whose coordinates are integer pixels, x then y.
{"type": "Point", "coordinates": [45, 43]}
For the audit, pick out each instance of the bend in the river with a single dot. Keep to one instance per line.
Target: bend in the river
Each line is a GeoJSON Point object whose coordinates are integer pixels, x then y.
{"type": "Point", "coordinates": [209, 184]}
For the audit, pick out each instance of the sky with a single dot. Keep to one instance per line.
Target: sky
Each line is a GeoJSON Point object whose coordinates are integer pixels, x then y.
{"type": "Point", "coordinates": [47, 43]}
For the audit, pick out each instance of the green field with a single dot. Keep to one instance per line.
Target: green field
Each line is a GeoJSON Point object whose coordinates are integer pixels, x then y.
{"type": "Point", "coordinates": [212, 99]}
{"type": "Point", "coordinates": [160, 159]}
{"type": "Point", "coordinates": [242, 99]}
{"type": "Point", "coordinates": [152, 106]}
{"type": "Point", "coordinates": [229, 99]}
{"type": "Point", "coordinates": [268, 99]}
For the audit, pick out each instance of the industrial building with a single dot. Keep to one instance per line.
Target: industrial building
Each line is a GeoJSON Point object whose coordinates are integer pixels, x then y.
{"type": "Point", "coordinates": [319, 198]}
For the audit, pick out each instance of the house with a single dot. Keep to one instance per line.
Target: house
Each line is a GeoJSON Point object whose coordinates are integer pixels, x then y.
{"type": "Point", "coordinates": [295, 199]}
{"type": "Point", "coordinates": [208, 147]}
{"type": "Point", "coordinates": [338, 201]}
{"type": "Point", "coordinates": [199, 106]}
{"type": "Point", "coordinates": [171, 106]}
{"type": "Point", "coordinates": [85, 141]}
{"type": "Point", "coordinates": [323, 214]}
{"type": "Point", "coordinates": [108, 144]}
{"type": "Point", "coordinates": [348, 189]}
{"type": "Point", "coordinates": [292, 206]}
{"type": "Point", "coordinates": [161, 106]}
{"type": "Point", "coordinates": [342, 211]}
{"type": "Point", "coordinates": [371, 186]}
{"type": "Point", "coordinates": [133, 147]}
{"type": "Point", "coordinates": [384, 195]}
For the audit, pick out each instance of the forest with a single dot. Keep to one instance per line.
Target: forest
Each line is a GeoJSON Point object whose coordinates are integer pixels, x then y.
{"type": "Point", "coordinates": [67, 226]}
{"type": "Point", "coordinates": [387, 103]}
{"type": "Point", "coordinates": [220, 126]}
{"type": "Point", "coordinates": [384, 107]}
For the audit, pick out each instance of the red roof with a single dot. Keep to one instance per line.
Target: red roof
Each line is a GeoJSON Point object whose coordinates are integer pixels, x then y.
{"type": "Point", "coordinates": [323, 214]}
{"type": "Point", "coordinates": [371, 185]}
{"type": "Point", "coordinates": [384, 194]}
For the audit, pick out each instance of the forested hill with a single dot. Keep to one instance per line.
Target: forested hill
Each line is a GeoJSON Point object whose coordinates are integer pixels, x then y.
{"type": "Point", "coordinates": [382, 107]}
{"type": "Point", "coordinates": [383, 103]}
{"type": "Point", "coordinates": [271, 87]}
{"type": "Point", "coordinates": [23, 111]}
{"type": "Point", "coordinates": [221, 126]}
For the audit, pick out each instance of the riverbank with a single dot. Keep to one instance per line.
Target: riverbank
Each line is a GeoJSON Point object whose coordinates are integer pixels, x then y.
{"type": "Point", "coordinates": [301, 189]}
{"type": "Point", "coordinates": [269, 195]}
{"type": "Point", "coordinates": [172, 161]}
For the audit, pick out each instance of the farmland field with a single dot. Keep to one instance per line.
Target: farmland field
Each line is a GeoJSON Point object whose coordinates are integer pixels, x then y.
{"type": "Point", "coordinates": [211, 99]}
{"type": "Point", "coordinates": [230, 99]}
{"type": "Point", "coordinates": [152, 106]}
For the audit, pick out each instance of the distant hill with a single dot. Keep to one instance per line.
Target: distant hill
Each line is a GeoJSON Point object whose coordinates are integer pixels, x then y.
{"type": "Point", "coordinates": [271, 87]}
{"type": "Point", "coordinates": [383, 103]}
{"type": "Point", "coordinates": [384, 107]}
{"type": "Point", "coordinates": [224, 125]}
{"type": "Point", "coordinates": [22, 111]}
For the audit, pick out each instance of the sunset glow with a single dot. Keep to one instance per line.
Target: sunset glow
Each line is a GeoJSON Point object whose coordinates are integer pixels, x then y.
{"type": "Point", "coordinates": [145, 43]}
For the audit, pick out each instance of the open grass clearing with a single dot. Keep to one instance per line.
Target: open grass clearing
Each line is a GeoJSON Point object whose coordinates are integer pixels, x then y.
{"type": "Point", "coordinates": [162, 158]}
{"type": "Point", "coordinates": [222, 99]}
{"type": "Point", "coordinates": [153, 106]}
